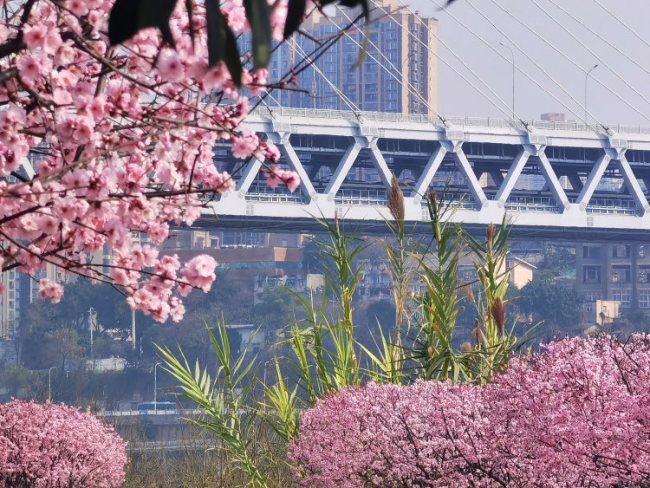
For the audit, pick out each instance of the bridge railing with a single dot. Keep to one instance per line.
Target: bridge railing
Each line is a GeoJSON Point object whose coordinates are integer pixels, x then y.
{"type": "Point", "coordinates": [615, 206]}
{"type": "Point", "coordinates": [568, 125]}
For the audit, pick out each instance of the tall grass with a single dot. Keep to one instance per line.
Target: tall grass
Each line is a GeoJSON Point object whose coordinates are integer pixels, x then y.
{"type": "Point", "coordinates": [322, 355]}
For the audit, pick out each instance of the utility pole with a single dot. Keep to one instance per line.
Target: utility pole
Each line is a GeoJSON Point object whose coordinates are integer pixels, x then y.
{"type": "Point", "coordinates": [133, 328]}
{"type": "Point", "coordinates": [155, 388]}
{"type": "Point", "coordinates": [92, 316]}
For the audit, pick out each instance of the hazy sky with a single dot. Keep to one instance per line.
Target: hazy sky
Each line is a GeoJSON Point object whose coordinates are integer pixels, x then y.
{"type": "Point", "coordinates": [612, 102]}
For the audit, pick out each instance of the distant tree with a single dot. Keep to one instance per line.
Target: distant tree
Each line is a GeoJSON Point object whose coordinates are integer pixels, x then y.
{"type": "Point", "coordinates": [558, 258]}
{"type": "Point", "coordinates": [544, 300]}
{"type": "Point", "coordinates": [16, 378]}
{"type": "Point", "coordinates": [278, 308]}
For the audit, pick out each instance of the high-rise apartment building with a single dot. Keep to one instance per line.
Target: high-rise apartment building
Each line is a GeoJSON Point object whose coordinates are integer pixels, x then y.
{"type": "Point", "coordinates": [398, 74]}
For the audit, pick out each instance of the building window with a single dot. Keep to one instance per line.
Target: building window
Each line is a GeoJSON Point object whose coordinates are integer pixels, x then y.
{"type": "Point", "coordinates": [643, 274]}
{"type": "Point", "coordinates": [621, 251]}
{"type": "Point", "coordinates": [641, 251]}
{"type": "Point", "coordinates": [623, 296]}
{"type": "Point", "coordinates": [644, 299]}
{"type": "Point", "coordinates": [591, 274]}
{"type": "Point", "coordinates": [621, 274]}
{"type": "Point", "coordinates": [591, 252]}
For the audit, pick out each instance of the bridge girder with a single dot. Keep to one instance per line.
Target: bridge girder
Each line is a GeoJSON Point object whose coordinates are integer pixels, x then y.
{"type": "Point", "coordinates": [605, 193]}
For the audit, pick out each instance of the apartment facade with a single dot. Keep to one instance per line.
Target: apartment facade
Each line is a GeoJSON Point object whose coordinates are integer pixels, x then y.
{"type": "Point", "coordinates": [616, 272]}
{"type": "Point", "coordinates": [399, 72]}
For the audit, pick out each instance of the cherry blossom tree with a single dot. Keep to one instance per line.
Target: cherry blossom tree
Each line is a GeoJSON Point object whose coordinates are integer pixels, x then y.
{"type": "Point", "coordinates": [51, 446]}
{"type": "Point", "coordinates": [577, 414]}
{"type": "Point", "coordinates": [102, 143]}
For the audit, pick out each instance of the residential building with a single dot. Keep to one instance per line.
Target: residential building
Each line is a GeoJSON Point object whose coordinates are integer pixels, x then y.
{"type": "Point", "coordinates": [9, 304]}
{"type": "Point", "coordinates": [399, 72]}
{"type": "Point", "coordinates": [614, 272]}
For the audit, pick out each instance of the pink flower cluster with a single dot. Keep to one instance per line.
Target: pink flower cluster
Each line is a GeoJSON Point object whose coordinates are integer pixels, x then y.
{"type": "Point", "coordinates": [577, 414]}
{"type": "Point", "coordinates": [51, 446]}
{"type": "Point", "coordinates": [121, 139]}
{"type": "Point", "coordinates": [275, 176]}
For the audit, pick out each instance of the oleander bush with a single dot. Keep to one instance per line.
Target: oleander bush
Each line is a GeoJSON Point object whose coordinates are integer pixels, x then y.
{"type": "Point", "coordinates": [576, 414]}
{"type": "Point", "coordinates": [56, 446]}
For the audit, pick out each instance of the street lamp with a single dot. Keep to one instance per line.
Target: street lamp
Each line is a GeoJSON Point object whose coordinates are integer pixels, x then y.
{"type": "Point", "coordinates": [586, 79]}
{"type": "Point", "coordinates": [155, 388]}
{"type": "Point", "coordinates": [513, 77]}
{"type": "Point", "coordinates": [49, 384]}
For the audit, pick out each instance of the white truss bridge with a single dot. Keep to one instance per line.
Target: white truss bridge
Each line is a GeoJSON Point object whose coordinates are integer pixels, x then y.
{"type": "Point", "coordinates": [544, 175]}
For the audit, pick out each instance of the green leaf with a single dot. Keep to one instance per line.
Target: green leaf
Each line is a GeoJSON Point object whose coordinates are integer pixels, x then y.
{"type": "Point", "coordinates": [222, 45]}
{"type": "Point", "coordinates": [259, 17]}
{"type": "Point", "coordinates": [295, 13]}
{"type": "Point", "coordinates": [127, 17]}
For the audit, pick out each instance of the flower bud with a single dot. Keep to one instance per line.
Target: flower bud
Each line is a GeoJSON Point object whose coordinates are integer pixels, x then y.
{"type": "Point", "coordinates": [498, 311]}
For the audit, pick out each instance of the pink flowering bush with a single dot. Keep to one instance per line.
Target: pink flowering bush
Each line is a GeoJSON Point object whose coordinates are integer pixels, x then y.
{"type": "Point", "coordinates": [576, 414]}
{"type": "Point", "coordinates": [55, 446]}
{"type": "Point", "coordinates": [121, 139]}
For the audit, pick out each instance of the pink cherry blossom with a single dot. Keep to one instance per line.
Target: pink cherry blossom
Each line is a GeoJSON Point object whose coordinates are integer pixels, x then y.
{"type": "Point", "coordinates": [34, 36]}
{"type": "Point", "coordinates": [576, 414]}
{"type": "Point", "coordinates": [244, 145]}
{"type": "Point", "coordinates": [199, 272]}
{"type": "Point", "coordinates": [122, 142]}
{"type": "Point", "coordinates": [50, 289]}
{"type": "Point", "coordinates": [45, 445]}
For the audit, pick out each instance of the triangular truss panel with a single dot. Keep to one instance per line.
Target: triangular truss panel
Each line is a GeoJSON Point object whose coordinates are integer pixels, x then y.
{"type": "Point", "coordinates": [321, 155]}
{"type": "Point", "coordinates": [407, 159]}
{"type": "Point", "coordinates": [612, 193]}
{"type": "Point", "coordinates": [490, 164]}
{"type": "Point", "coordinates": [363, 182]}
{"type": "Point", "coordinates": [530, 188]}
{"type": "Point", "coordinates": [451, 183]}
{"type": "Point", "coordinates": [572, 166]}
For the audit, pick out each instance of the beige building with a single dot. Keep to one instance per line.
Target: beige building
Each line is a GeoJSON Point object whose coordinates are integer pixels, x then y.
{"type": "Point", "coordinates": [521, 272]}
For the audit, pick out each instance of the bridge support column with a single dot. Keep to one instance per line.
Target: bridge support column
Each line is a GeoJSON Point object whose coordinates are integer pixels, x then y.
{"type": "Point", "coordinates": [305, 183]}
{"type": "Point", "coordinates": [473, 184]}
{"type": "Point", "coordinates": [250, 172]}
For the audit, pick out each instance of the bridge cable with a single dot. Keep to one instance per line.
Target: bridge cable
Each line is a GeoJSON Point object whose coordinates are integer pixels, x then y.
{"type": "Point", "coordinates": [341, 95]}
{"type": "Point", "coordinates": [504, 57]}
{"type": "Point", "coordinates": [600, 37]}
{"type": "Point", "coordinates": [577, 64]}
{"type": "Point", "coordinates": [540, 67]}
{"type": "Point", "coordinates": [410, 87]}
{"type": "Point", "coordinates": [507, 111]}
{"type": "Point", "coordinates": [627, 27]}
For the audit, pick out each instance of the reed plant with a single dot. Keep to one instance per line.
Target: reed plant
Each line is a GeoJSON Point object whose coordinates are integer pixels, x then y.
{"type": "Point", "coordinates": [321, 354]}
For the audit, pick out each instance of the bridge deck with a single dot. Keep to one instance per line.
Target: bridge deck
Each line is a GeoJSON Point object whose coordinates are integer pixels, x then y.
{"type": "Point", "coordinates": [543, 175]}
